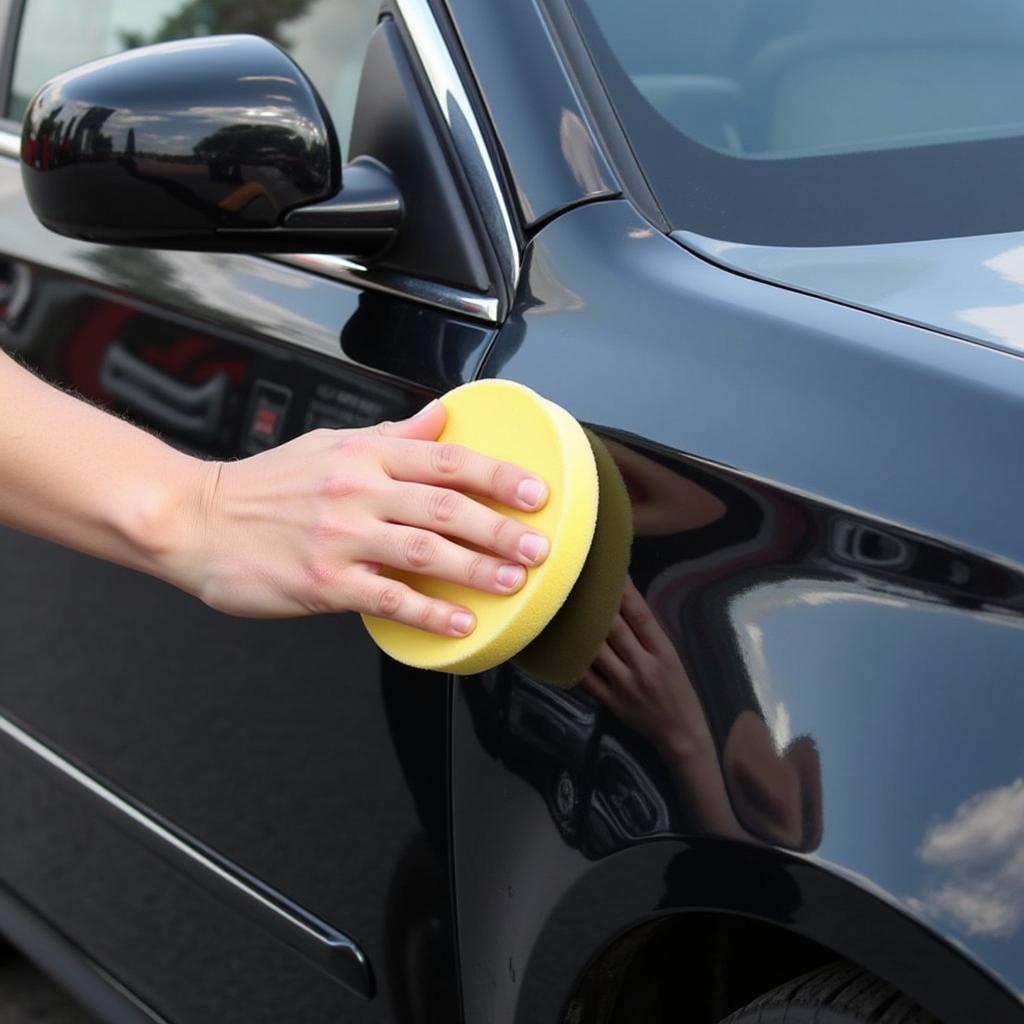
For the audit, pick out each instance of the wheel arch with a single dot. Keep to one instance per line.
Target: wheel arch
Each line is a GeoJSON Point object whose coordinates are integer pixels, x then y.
{"type": "Point", "coordinates": [655, 904]}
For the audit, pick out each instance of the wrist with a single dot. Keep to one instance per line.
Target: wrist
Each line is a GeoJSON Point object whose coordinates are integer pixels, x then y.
{"type": "Point", "coordinates": [684, 749]}
{"type": "Point", "coordinates": [164, 521]}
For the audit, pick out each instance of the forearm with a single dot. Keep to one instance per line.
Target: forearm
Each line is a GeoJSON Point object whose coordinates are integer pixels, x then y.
{"type": "Point", "coordinates": [697, 772]}
{"type": "Point", "coordinates": [83, 478]}
{"type": "Point", "coordinates": [299, 529]}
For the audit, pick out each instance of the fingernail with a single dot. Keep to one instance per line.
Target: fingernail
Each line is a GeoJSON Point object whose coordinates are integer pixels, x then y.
{"type": "Point", "coordinates": [427, 409]}
{"type": "Point", "coordinates": [531, 492]}
{"type": "Point", "coordinates": [533, 546]}
{"type": "Point", "coordinates": [462, 622]}
{"type": "Point", "coordinates": [511, 576]}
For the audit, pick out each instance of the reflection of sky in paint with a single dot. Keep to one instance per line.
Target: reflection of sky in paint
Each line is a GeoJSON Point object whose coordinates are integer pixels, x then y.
{"type": "Point", "coordinates": [978, 859]}
{"type": "Point", "coordinates": [971, 286]}
{"type": "Point", "coordinates": [917, 711]}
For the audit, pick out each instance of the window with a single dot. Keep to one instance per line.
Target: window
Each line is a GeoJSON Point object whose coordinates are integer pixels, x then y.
{"type": "Point", "coordinates": [327, 38]}
{"type": "Point", "coordinates": [821, 122]}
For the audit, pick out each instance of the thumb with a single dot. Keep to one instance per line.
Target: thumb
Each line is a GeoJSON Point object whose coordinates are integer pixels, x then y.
{"type": "Point", "coordinates": [424, 426]}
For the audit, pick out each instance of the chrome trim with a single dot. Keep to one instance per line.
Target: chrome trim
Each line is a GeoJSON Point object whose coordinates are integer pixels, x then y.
{"type": "Point", "coordinates": [321, 943]}
{"type": "Point", "coordinates": [467, 135]}
{"type": "Point", "coordinates": [481, 307]}
{"type": "Point", "coordinates": [10, 145]}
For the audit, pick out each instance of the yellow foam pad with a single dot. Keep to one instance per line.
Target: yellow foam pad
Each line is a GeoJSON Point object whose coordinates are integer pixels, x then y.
{"type": "Point", "coordinates": [508, 421]}
{"type": "Point", "coordinates": [567, 646]}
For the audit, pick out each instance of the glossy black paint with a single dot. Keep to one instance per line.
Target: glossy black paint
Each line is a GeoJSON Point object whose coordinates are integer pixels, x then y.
{"type": "Point", "coordinates": [215, 143]}
{"type": "Point", "coordinates": [97, 990]}
{"type": "Point", "coordinates": [394, 125]}
{"type": "Point", "coordinates": [362, 220]}
{"type": "Point", "coordinates": [358, 845]}
{"type": "Point", "coordinates": [799, 767]}
{"type": "Point", "coordinates": [259, 302]}
{"type": "Point", "coordinates": [838, 602]}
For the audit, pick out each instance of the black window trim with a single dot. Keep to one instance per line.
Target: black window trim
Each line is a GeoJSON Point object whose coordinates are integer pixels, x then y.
{"type": "Point", "coordinates": [590, 86]}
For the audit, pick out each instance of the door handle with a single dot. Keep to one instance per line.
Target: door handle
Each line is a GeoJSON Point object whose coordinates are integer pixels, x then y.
{"type": "Point", "coordinates": [194, 412]}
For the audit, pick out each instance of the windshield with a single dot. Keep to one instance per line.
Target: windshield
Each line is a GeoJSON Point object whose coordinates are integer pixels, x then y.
{"type": "Point", "coordinates": [821, 122]}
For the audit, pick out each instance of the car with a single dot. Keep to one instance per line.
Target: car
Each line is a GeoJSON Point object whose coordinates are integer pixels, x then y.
{"type": "Point", "coordinates": [771, 253]}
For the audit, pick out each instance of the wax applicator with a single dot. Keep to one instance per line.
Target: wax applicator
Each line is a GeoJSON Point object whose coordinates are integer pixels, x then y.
{"type": "Point", "coordinates": [555, 624]}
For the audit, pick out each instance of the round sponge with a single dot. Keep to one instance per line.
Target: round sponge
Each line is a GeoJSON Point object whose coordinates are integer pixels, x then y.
{"type": "Point", "coordinates": [508, 421]}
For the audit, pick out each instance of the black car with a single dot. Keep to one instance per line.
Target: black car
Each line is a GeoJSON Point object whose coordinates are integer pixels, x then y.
{"type": "Point", "coordinates": [771, 251]}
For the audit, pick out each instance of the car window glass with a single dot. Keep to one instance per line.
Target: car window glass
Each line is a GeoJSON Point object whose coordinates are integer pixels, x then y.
{"type": "Point", "coordinates": [327, 38]}
{"type": "Point", "coordinates": [820, 122]}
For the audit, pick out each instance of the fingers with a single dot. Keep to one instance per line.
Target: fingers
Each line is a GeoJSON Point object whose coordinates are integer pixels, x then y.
{"type": "Point", "coordinates": [423, 426]}
{"type": "Point", "coordinates": [391, 599]}
{"type": "Point", "coordinates": [624, 642]}
{"type": "Point", "coordinates": [596, 686]}
{"type": "Point", "coordinates": [420, 551]}
{"type": "Point", "coordinates": [458, 516]}
{"type": "Point", "coordinates": [641, 620]}
{"type": "Point", "coordinates": [461, 469]}
{"type": "Point", "coordinates": [612, 668]}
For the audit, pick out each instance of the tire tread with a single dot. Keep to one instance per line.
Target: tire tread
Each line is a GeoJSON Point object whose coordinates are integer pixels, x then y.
{"type": "Point", "coordinates": [839, 994]}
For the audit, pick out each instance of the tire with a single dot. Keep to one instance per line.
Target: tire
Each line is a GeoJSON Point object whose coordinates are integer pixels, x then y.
{"type": "Point", "coordinates": [840, 994]}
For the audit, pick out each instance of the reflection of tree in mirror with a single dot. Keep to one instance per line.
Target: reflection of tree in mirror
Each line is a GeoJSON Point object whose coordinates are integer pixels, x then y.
{"type": "Point", "coordinates": [216, 17]}
{"type": "Point", "coordinates": [228, 149]}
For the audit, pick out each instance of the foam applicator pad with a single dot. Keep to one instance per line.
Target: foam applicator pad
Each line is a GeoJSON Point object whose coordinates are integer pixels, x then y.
{"type": "Point", "coordinates": [510, 422]}
{"type": "Point", "coordinates": [568, 644]}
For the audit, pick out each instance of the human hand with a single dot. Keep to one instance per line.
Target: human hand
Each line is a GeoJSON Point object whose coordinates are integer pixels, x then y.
{"type": "Point", "coordinates": [638, 676]}
{"type": "Point", "coordinates": [305, 528]}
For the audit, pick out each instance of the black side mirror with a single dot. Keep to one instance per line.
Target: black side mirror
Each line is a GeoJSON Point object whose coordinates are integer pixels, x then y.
{"type": "Point", "coordinates": [218, 143]}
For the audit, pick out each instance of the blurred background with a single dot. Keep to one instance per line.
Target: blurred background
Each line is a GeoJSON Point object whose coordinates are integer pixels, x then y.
{"type": "Point", "coordinates": [327, 38]}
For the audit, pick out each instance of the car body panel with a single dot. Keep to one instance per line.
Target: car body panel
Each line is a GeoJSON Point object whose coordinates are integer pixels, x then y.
{"type": "Point", "coordinates": [826, 536]}
{"type": "Point", "coordinates": [971, 287]}
{"type": "Point", "coordinates": [854, 584]}
{"type": "Point", "coordinates": [320, 770]}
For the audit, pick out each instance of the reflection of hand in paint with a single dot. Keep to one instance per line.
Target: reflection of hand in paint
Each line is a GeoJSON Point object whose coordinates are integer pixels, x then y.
{"type": "Point", "coordinates": [663, 501]}
{"type": "Point", "coordinates": [777, 794]}
{"type": "Point", "coordinates": [639, 677]}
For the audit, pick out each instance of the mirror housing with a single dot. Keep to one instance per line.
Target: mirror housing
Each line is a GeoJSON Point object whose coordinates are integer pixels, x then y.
{"type": "Point", "coordinates": [218, 143]}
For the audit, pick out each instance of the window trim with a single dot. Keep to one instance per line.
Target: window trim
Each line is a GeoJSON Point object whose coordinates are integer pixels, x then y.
{"type": "Point", "coordinates": [607, 127]}
{"type": "Point", "coordinates": [10, 25]}
{"type": "Point", "coordinates": [471, 151]}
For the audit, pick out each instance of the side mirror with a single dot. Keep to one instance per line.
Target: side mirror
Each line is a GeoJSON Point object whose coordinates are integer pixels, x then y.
{"type": "Point", "coordinates": [218, 143]}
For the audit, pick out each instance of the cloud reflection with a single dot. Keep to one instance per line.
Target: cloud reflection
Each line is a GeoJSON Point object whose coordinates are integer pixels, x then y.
{"type": "Point", "coordinates": [979, 855]}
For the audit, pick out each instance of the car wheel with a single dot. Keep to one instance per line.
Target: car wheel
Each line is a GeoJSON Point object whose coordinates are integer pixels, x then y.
{"type": "Point", "coordinates": [840, 994]}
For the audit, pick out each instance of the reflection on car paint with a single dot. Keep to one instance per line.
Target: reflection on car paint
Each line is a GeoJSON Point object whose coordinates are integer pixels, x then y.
{"type": "Point", "coordinates": [969, 286]}
{"type": "Point", "coordinates": [687, 724]}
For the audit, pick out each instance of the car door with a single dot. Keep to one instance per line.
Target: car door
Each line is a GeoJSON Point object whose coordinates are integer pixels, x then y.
{"type": "Point", "coordinates": [236, 819]}
{"type": "Point", "coordinates": [808, 713]}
